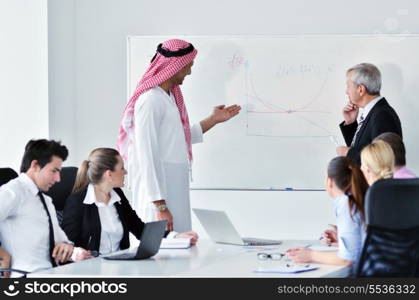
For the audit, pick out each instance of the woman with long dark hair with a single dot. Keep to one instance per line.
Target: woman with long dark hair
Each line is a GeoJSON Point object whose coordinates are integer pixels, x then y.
{"type": "Point", "coordinates": [346, 184]}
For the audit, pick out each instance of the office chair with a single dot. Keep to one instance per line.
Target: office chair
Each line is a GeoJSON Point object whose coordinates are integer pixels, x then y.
{"type": "Point", "coordinates": [7, 174]}
{"type": "Point", "coordinates": [391, 247]}
{"type": "Point", "coordinates": [60, 191]}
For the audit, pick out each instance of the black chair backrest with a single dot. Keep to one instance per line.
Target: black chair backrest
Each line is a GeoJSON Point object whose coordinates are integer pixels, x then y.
{"type": "Point", "coordinates": [391, 248]}
{"type": "Point", "coordinates": [393, 203]}
{"type": "Point", "coordinates": [7, 174]}
{"type": "Point", "coordinates": [60, 191]}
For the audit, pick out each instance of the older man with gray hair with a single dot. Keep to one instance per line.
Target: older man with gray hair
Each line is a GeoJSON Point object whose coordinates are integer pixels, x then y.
{"type": "Point", "coordinates": [363, 84]}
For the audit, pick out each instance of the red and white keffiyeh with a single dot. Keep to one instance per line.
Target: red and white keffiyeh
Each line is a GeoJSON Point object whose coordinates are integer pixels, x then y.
{"type": "Point", "coordinates": [161, 69]}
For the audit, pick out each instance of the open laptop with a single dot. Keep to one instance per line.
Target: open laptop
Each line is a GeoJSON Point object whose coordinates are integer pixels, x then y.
{"type": "Point", "coordinates": [151, 237]}
{"type": "Point", "coordinates": [221, 230]}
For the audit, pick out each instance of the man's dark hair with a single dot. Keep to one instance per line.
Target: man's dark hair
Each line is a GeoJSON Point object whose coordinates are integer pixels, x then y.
{"type": "Point", "coordinates": [42, 150]}
{"type": "Point", "coordinates": [396, 143]}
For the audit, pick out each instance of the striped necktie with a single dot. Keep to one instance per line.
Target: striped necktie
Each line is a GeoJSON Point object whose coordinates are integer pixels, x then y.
{"type": "Point", "coordinates": [51, 230]}
{"type": "Point", "coordinates": [361, 121]}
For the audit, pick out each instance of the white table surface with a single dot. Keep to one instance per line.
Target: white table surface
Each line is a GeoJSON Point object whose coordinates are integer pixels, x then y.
{"type": "Point", "coordinates": [206, 259]}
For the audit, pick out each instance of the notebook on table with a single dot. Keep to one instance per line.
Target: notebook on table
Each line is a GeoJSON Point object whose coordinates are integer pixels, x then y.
{"type": "Point", "coordinates": [176, 243]}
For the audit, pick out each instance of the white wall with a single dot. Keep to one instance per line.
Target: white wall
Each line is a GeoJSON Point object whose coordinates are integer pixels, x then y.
{"type": "Point", "coordinates": [23, 77]}
{"type": "Point", "coordinates": [100, 30]}
{"type": "Point", "coordinates": [101, 27]}
{"type": "Point", "coordinates": [275, 215]}
{"type": "Point", "coordinates": [62, 47]}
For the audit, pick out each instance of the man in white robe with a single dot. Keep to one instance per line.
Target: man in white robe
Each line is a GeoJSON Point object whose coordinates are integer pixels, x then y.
{"type": "Point", "coordinates": [155, 137]}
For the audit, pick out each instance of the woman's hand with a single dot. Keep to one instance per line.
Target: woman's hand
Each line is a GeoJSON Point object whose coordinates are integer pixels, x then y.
{"type": "Point", "coordinates": [330, 236]}
{"type": "Point", "coordinates": [300, 255]}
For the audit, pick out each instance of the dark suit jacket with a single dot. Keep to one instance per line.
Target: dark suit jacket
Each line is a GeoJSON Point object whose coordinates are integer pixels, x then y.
{"type": "Point", "coordinates": [382, 118]}
{"type": "Point", "coordinates": [81, 222]}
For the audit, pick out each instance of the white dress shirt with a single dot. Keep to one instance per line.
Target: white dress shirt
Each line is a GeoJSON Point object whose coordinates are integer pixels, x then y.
{"type": "Point", "coordinates": [112, 230]}
{"type": "Point", "coordinates": [24, 226]}
{"type": "Point", "coordinates": [158, 164]}
{"type": "Point", "coordinates": [367, 108]}
{"type": "Point", "coordinates": [351, 232]}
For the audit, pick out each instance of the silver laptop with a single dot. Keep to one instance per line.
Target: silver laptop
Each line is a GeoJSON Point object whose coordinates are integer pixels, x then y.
{"type": "Point", "coordinates": [221, 230]}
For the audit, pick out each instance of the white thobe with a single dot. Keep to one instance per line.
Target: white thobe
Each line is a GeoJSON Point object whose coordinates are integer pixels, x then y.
{"type": "Point", "coordinates": [158, 163]}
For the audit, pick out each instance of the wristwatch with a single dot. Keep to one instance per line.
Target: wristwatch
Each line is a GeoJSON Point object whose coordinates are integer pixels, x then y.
{"type": "Point", "coordinates": [161, 207]}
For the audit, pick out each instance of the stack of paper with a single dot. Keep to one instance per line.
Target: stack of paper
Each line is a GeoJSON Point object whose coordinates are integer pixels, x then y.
{"type": "Point", "coordinates": [177, 243]}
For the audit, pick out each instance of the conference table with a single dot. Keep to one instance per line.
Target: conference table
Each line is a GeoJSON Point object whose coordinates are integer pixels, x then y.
{"type": "Point", "coordinates": [206, 259]}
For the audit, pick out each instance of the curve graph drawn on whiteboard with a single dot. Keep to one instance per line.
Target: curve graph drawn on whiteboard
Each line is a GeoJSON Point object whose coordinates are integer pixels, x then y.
{"type": "Point", "coordinates": [286, 110]}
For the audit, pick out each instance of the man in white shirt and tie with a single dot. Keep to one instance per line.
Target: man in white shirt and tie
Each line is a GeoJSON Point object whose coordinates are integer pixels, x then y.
{"type": "Point", "coordinates": [363, 84]}
{"type": "Point", "coordinates": [29, 228]}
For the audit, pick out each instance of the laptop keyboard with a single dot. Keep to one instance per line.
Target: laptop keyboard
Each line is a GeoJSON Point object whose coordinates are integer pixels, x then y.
{"type": "Point", "coordinates": [260, 242]}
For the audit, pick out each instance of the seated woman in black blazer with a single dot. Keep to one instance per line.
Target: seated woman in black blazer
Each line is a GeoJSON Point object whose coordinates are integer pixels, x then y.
{"type": "Point", "coordinates": [98, 216]}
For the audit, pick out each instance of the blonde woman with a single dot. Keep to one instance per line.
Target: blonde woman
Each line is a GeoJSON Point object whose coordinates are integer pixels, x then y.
{"type": "Point", "coordinates": [98, 216]}
{"type": "Point", "coordinates": [377, 161]}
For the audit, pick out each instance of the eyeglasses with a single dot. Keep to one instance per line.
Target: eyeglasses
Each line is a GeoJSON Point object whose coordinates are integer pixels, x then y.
{"type": "Point", "coordinates": [273, 256]}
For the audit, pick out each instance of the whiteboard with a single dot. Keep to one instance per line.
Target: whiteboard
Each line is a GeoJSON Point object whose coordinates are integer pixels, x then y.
{"type": "Point", "coordinates": [292, 91]}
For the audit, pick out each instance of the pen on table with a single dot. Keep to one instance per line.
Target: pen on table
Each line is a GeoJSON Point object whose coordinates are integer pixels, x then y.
{"type": "Point", "coordinates": [289, 189]}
